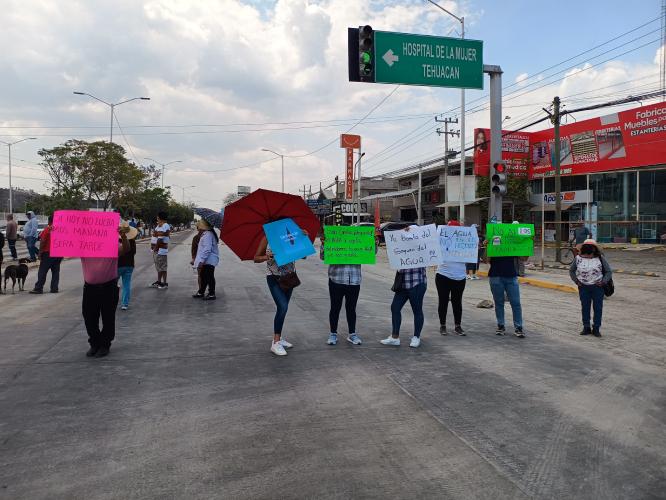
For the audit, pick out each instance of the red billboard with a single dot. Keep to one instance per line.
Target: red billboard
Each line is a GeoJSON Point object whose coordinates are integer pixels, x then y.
{"type": "Point", "coordinates": [515, 152]}
{"type": "Point", "coordinates": [625, 139]}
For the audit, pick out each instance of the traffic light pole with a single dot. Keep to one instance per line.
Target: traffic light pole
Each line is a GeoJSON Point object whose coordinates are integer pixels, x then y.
{"type": "Point", "coordinates": [495, 72]}
{"type": "Point", "coordinates": [558, 180]}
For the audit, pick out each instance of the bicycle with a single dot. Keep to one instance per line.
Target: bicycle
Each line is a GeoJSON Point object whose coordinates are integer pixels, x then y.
{"type": "Point", "coordinates": [569, 254]}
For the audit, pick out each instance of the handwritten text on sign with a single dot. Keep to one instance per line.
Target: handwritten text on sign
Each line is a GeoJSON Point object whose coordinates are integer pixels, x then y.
{"type": "Point", "coordinates": [459, 244]}
{"type": "Point", "coordinates": [349, 245]}
{"type": "Point", "coordinates": [510, 240]}
{"type": "Point", "coordinates": [77, 233]}
{"type": "Point", "coordinates": [418, 247]}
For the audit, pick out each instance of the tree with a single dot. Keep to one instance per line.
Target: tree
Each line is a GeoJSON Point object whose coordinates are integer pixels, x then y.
{"type": "Point", "coordinates": [82, 172]}
{"type": "Point", "coordinates": [230, 198]}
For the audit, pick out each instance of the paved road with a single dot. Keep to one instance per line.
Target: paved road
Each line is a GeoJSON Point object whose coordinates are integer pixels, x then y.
{"type": "Point", "coordinates": [190, 403]}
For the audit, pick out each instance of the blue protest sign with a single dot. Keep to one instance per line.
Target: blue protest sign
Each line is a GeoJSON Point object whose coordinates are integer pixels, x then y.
{"type": "Point", "coordinates": [287, 241]}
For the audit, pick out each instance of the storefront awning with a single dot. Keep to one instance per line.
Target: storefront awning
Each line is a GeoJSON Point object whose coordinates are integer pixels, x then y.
{"type": "Point", "coordinates": [390, 194]}
{"type": "Point", "coordinates": [551, 208]}
{"type": "Point", "coordinates": [453, 204]}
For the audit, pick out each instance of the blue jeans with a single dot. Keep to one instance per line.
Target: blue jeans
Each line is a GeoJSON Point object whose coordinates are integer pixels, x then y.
{"type": "Point", "coordinates": [32, 249]}
{"type": "Point", "coordinates": [415, 297]}
{"type": "Point", "coordinates": [125, 273]}
{"type": "Point", "coordinates": [498, 287]}
{"type": "Point", "coordinates": [591, 296]}
{"type": "Point", "coordinates": [281, 298]}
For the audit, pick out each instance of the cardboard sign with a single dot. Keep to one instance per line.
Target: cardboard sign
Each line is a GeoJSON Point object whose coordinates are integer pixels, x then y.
{"type": "Point", "coordinates": [287, 241]}
{"type": "Point", "coordinates": [459, 244]}
{"type": "Point", "coordinates": [349, 245]}
{"type": "Point", "coordinates": [510, 240]}
{"type": "Point", "coordinates": [77, 233]}
{"type": "Point", "coordinates": [418, 247]}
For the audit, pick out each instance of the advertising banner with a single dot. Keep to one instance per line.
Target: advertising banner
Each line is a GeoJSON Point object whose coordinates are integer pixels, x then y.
{"type": "Point", "coordinates": [510, 240]}
{"type": "Point", "coordinates": [418, 247]}
{"type": "Point", "coordinates": [349, 174]}
{"type": "Point", "coordinates": [78, 233]}
{"type": "Point", "coordinates": [349, 245]}
{"type": "Point", "coordinates": [287, 241]}
{"type": "Point", "coordinates": [515, 152]}
{"type": "Point", "coordinates": [459, 244]}
{"type": "Point", "coordinates": [631, 138]}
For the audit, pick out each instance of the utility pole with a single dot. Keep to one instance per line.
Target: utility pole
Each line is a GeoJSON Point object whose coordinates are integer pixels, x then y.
{"type": "Point", "coordinates": [555, 118]}
{"type": "Point", "coordinates": [446, 133]}
{"type": "Point", "coordinates": [304, 191]}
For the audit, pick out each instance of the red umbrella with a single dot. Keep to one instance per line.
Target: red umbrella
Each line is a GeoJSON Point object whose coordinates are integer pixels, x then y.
{"type": "Point", "coordinates": [244, 219]}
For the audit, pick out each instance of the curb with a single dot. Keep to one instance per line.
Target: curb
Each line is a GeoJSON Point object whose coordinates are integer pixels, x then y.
{"type": "Point", "coordinates": [620, 271]}
{"type": "Point", "coordinates": [541, 283]}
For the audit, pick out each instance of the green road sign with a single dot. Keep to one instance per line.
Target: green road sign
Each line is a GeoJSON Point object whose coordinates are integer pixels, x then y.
{"type": "Point", "coordinates": [433, 61]}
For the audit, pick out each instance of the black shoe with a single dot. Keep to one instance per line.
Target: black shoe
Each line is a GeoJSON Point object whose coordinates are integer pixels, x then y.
{"type": "Point", "coordinates": [519, 333]}
{"type": "Point", "coordinates": [198, 295]}
{"type": "Point", "coordinates": [54, 291]}
{"type": "Point", "coordinates": [92, 351]}
{"type": "Point", "coordinates": [103, 351]}
{"type": "Point", "coordinates": [155, 284]}
{"type": "Point", "coordinates": [442, 329]}
{"type": "Point", "coordinates": [458, 329]}
{"type": "Point", "coordinates": [500, 330]}
{"type": "Point", "coordinates": [586, 331]}
{"type": "Point", "coordinates": [209, 297]}
{"type": "Point", "coordinates": [596, 332]}
{"type": "Point", "coordinates": [36, 292]}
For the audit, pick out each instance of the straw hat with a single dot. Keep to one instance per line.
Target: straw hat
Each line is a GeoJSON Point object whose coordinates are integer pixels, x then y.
{"type": "Point", "coordinates": [130, 231]}
{"type": "Point", "coordinates": [589, 241]}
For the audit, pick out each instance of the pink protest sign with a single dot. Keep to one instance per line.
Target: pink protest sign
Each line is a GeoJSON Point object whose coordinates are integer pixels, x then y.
{"type": "Point", "coordinates": [77, 233]}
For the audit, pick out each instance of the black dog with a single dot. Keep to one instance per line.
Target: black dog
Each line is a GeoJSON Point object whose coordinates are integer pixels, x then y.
{"type": "Point", "coordinates": [16, 273]}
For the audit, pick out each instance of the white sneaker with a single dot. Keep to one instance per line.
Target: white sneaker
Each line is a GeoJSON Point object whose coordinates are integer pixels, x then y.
{"type": "Point", "coordinates": [124, 308]}
{"type": "Point", "coordinates": [277, 349]}
{"type": "Point", "coordinates": [286, 344]}
{"type": "Point", "coordinates": [390, 341]}
{"type": "Point", "coordinates": [416, 341]}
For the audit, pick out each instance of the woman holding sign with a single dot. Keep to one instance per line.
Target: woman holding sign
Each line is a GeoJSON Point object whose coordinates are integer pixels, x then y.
{"type": "Point", "coordinates": [281, 282]}
{"type": "Point", "coordinates": [450, 281]}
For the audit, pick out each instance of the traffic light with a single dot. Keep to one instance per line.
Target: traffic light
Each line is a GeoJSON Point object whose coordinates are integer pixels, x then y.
{"type": "Point", "coordinates": [366, 54]}
{"type": "Point", "coordinates": [499, 179]}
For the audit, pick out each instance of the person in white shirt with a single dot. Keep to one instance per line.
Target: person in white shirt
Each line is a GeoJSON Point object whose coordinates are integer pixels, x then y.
{"type": "Point", "coordinates": [450, 281]}
{"type": "Point", "coordinates": [159, 244]}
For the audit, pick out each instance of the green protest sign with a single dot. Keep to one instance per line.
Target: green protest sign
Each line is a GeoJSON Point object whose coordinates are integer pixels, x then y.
{"type": "Point", "coordinates": [349, 245]}
{"type": "Point", "coordinates": [510, 240]}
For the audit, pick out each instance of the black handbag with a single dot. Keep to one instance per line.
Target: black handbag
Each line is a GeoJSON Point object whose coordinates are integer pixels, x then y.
{"type": "Point", "coordinates": [397, 282]}
{"type": "Point", "coordinates": [288, 281]}
{"type": "Point", "coordinates": [609, 288]}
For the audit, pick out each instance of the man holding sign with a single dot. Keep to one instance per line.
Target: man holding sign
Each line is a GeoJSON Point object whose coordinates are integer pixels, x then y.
{"type": "Point", "coordinates": [347, 247]}
{"type": "Point", "coordinates": [93, 236]}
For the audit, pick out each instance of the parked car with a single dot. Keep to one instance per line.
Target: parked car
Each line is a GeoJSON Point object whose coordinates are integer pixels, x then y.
{"type": "Point", "coordinates": [392, 226]}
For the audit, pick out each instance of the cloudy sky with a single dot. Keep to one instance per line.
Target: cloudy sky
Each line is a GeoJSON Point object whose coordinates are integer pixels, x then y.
{"type": "Point", "coordinates": [227, 78]}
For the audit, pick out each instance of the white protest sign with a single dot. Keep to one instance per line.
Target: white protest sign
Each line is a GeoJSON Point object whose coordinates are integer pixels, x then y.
{"type": "Point", "coordinates": [459, 244]}
{"type": "Point", "coordinates": [418, 247]}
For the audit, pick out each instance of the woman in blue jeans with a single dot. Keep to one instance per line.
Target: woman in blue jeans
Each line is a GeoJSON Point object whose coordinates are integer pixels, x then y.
{"type": "Point", "coordinates": [280, 297]}
{"type": "Point", "coordinates": [503, 278]}
{"type": "Point", "coordinates": [126, 265]}
{"type": "Point", "coordinates": [412, 287]}
{"type": "Point", "coordinates": [591, 271]}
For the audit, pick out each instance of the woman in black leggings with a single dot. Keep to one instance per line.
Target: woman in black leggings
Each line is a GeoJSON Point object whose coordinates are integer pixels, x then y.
{"type": "Point", "coordinates": [450, 281]}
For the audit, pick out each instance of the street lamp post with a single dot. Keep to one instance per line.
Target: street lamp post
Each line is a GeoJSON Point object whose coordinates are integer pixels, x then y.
{"type": "Point", "coordinates": [282, 158]}
{"type": "Point", "coordinates": [9, 152]}
{"type": "Point", "coordinates": [461, 211]}
{"type": "Point", "coordinates": [358, 187]}
{"type": "Point", "coordinates": [184, 188]}
{"type": "Point", "coordinates": [112, 106]}
{"type": "Point", "coordinates": [163, 165]}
